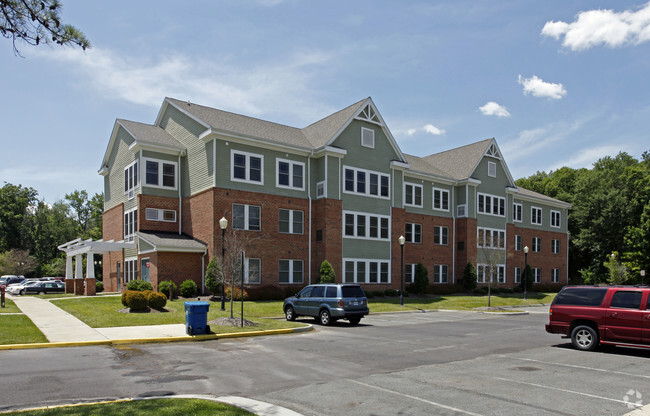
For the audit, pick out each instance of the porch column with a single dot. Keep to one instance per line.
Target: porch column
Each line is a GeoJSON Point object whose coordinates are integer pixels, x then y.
{"type": "Point", "coordinates": [78, 275]}
{"type": "Point", "coordinates": [91, 285]}
{"type": "Point", "coordinates": [69, 283]}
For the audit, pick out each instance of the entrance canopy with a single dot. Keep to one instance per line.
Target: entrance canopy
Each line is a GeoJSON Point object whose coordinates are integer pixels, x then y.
{"type": "Point", "coordinates": [78, 247]}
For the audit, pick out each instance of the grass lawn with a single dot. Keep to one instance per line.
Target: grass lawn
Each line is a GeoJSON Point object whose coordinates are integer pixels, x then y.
{"type": "Point", "coordinates": [19, 329]}
{"type": "Point", "coordinates": [102, 312]}
{"type": "Point", "coordinates": [10, 307]}
{"type": "Point", "coordinates": [158, 407]}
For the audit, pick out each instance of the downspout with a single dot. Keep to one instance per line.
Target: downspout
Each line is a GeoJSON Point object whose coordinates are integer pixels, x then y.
{"type": "Point", "coordinates": [309, 197]}
{"type": "Point", "coordinates": [180, 200]}
{"type": "Point", "coordinates": [568, 237]}
{"type": "Point", "coordinates": [205, 252]}
{"type": "Point", "coordinates": [453, 240]}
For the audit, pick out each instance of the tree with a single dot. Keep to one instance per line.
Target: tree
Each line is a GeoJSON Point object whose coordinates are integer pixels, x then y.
{"type": "Point", "coordinates": [17, 262]}
{"type": "Point", "coordinates": [37, 21]}
{"type": "Point", "coordinates": [87, 213]}
{"type": "Point", "coordinates": [421, 279]}
{"type": "Point", "coordinates": [618, 273]}
{"type": "Point", "coordinates": [493, 256]}
{"type": "Point", "coordinates": [15, 202]}
{"type": "Point", "coordinates": [469, 277]}
{"type": "Point", "coordinates": [214, 276]}
{"type": "Point", "coordinates": [326, 273]}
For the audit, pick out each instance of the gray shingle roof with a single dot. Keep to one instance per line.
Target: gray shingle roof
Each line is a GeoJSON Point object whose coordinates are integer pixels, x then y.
{"type": "Point", "coordinates": [419, 164]}
{"type": "Point", "coordinates": [460, 162]}
{"type": "Point", "coordinates": [533, 194]}
{"type": "Point", "coordinates": [150, 134]}
{"type": "Point", "coordinates": [163, 240]}
{"type": "Point", "coordinates": [322, 131]}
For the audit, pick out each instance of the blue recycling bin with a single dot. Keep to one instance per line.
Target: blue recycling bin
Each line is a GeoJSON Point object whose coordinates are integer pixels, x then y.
{"type": "Point", "coordinates": [196, 318]}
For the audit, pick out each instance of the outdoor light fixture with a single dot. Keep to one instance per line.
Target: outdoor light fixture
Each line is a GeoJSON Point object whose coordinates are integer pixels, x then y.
{"type": "Point", "coordinates": [401, 240]}
{"type": "Point", "coordinates": [525, 270]}
{"type": "Point", "coordinates": [223, 224]}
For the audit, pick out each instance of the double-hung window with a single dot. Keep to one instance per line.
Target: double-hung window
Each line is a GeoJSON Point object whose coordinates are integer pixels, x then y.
{"type": "Point", "coordinates": [290, 174]}
{"type": "Point", "coordinates": [555, 275]}
{"type": "Point", "coordinates": [366, 182]}
{"type": "Point", "coordinates": [413, 233]}
{"type": "Point", "coordinates": [537, 273]}
{"type": "Point", "coordinates": [130, 269]}
{"type": "Point", "coordinates": [291, 221]}
{"type": "Point", "coordinates": [441, 235]}
{"type": "Point", "coordinates": [252, 271]}
{"type": "Point", "coordinates": [366, 271]}
{"type": "Point", "coordinates": [440, 199]}
{"type": "Point", "coordinates": [485, 273]}
{"type": "Point", "coordinates": [246, 217]}
{"type": "Point", "coordinates": [130, 224]}
{"type": "Point", "coordinates": [290, 271]}
{"type": "Point", "coordinates": [555, 246]}
{"type": "Point", "coordinates": [131, 178]}
{"type": "Point", "coordinates": [160, 173]}
{"type": "Point", "coordinates": [555, 219]}
{"type": "Point", "coordinates": [536, 215]}
{"type": "Point", "coordinates": [537, 244]}
{"type": "Point", "coordinates": [246, 167]}
{"type": "Point", "coordinates": [366, 226]}
{"type": "Point", "coordinates": [440, 273]}
{"type": "Point", "coordinates": [517, 210]}
{"type": "Point", "coordinates": [517, 274]}
{"type": "Point", "coordinates": [412, 195]}
{"type": "Point", "coordinates": [491, 238]}
{"type": "Point", "coordinates": [409, 273]}
{"type": "Point", "coordinates": [491, 205]}
{"type": "Point", "coordinates": [518, 242]}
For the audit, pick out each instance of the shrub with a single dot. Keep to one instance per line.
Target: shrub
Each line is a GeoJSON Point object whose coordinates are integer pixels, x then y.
{"type": "Point", "coordinates": [421, 280]}
{"type": "Point", "coordinates": [157, 300]}
{"type": "Point", "coordinates": [390, 292]}
{"type": "Point", "coordinates": [291, 290]}
{"type": "Point", "coordinates": [99, 287]}
{"type": "Point", "coordinates": [445, 289]}
{"type": "Point", "coordinates": [163, 287]}
{"type": "Point", "coordinates": [266, 292]}
{"type": "Point", "coordinates": [545, 287]}
{"type": "Point", "coordinates": [125, 297]}
{"type": "Point", "coordinates": [214, 276]}
{"type": "Point", "coordinates": [237, 293]}
{"type": "Point", "coordinates": [188, 288]}
{"type": "Point", "coordinates": [326, 273]}
{"type": "Point", "coordinates": [528, 277]}
{"type": "Point", "coordinates": [469, 277]}
{"type": "Point", "coordinates": [377, 293]}
{"type": "Point", "coordinates": [481, 290]}
{"type": "Point", "coordinates": [139, 285]}
{"type": "Point", "coordinates": [147, 293]}
{"type": "Point", "coordinates": [137, 301]}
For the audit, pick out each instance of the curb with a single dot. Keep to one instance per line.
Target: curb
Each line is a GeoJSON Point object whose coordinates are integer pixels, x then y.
{"type": "Point", "coordinates": [157, 340]}
{"type": "Point", "coordinates": [254, 406]}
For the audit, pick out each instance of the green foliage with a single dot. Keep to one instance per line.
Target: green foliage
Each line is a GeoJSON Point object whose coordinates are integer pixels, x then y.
{"type": "Point", "coordinates": [126, 295]}
{"type": "Point", "coordinates": [390, 292]}
{"type": "Point", "coordinates": [37, 21]}
{"type": "Point", "coordinates": [137, 301]}
{"type": "Point", "coordinates": [421, 279]}
{"type": "Point", "coordinates": [14, 215]}
{"type": "Point", "coordinates": [445, 289]}
{"type": "Point", "coordinates": [99, 286]}
{"type": "Point", "coordinates": [188, 288]}
{"type": "Point", "coordinates": [139, 285]}
{"type": "Point", "coordinates": [156, 300]}
{"type": "Point", "coordinates": [528, 278]}
{"type": "Point", "coordinates": [266, 292]}
{"type": "Point", "coordinates": [163, 287]}
{"type": "Point", "coordinates": [214, 276]}
{"type": "Point", "coordinates": [618, 273]}
{"type": "Point", "coordinates": [237, 293]}
{"type": "Point", "coordinates": [326, 273]}
{"type": "Point", "coordinates": [469, 277]}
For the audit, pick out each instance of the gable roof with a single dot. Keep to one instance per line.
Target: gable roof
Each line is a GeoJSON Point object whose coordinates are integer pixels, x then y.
{"type": "Point", "coordinates": [459, 163]}
{"type": "Point", "coordinates": [321, 133]}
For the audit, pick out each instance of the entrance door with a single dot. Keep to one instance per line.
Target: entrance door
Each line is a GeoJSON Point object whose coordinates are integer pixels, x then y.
{"type": "Point", "coordinates": [144, 269]}
{"type": "Point", "coordinates": [119, 276]}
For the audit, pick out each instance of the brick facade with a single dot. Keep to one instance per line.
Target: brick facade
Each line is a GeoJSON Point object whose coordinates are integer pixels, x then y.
{"type": "Point", "coordinates": [112, 229]}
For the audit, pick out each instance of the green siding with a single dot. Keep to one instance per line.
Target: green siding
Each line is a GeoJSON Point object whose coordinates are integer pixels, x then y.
{"type": "Point", "coordinates": [334, 177]}
{"type": "Point", "coordinates": [366, 249]}
{"type": "Point", "coordinates": [118, 159]}
{"type": "Point", "coordinates": [148, 190]}
{"type": "Point", "coordinates": [377, 159]}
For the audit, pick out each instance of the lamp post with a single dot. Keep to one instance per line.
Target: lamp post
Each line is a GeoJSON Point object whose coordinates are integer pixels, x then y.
{"type": "Point", "coordinates": [401, 292]}
{"type": "Point", "coordinates": [223, 224]}
{"type": "Point", "coordinates": [525, 270]}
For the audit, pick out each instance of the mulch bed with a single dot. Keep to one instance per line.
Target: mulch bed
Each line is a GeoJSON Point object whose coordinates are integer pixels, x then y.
{"type": "Point", "coordinates": [148, 310]}
{"type": "Point", "coordinates": [231, 322]}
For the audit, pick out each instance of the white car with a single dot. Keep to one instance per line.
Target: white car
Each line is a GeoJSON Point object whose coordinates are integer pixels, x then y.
{"type": "Point", "coordinates": [19, 288]}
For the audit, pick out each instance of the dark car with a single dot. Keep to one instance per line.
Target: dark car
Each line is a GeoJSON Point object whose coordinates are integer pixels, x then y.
{"type": "Point", "coordinates": [9, 279]}
{"type": "Point", "coordinates": [614, 315]}
{"type": "Point", "coordinates": [328, 303]}
{"type": "Point", "coordinates": [42, 288]}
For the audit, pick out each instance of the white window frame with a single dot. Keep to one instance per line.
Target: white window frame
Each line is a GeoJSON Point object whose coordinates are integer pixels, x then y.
{"type": "Point", "coordinates": [433, 199]}
{"type": "Point", "coordinates": [517, 212]}
{"type": "Point", "coordinates": [321, 190]}
{"type": "Point", "coordinates": [366, 218]}
{"type": "Point", "coordinates": [367, 174]}
{"type": "Point", "coordinates": [413, 227]}
{"type": "Point", "coordinates": [439, 241]}
{"type": "Point", "coordinates": [365, 279]}
{"type": "Point", "coordinates": [247, 170]}
{"type": "Point", "coordinates": [438, 275]}
{"type": "Point", "coordinates": [555, 219]}
{"type": "Point", "coordinates": [246, 217]}
{"type": "Point", "coordinates": [132, 177]}
{"type": "Point", "coordinates": [536, 216]}
{"type": "Point", "coordinates": [555, 275]}
{"type": "Point", "coordinates": [461, 211]}
{"type": "Point", "coordinates": [292, 271]}
{"type": "Point", "coordinates": [482, 244]}
{"type": "Point", "coordinates": [480, 273]}
{"type": "Point", "coordinates": [537, 275]}
{"type": "Point", "coordinates": [488, 207]}
{"type": "Point", "coordinates": [130, 269]}
{"type": "Point", "coordinates": [291, 164]}
{"type": "Point", "coordinates": [292, 213]}
{"type": "Point", "coordinates": [412, 203]}
{"type": "Point", "coordinates": [492, 169]}
{"type": "Point", "coordinates": [409, 273]}
{"type": "Point", "coordinates": [537, 244]}
{"type": "Point", "coordinates": [159, 183]}
{"type": "Point", "coordinates": [518, 274]}
{"type": "Point", "coordinates": [247, 268]}
{"type": "Point", "coordinates": [365, 130]}
{"type": "Point", "coordinates": [130, 224]}
{"type": "Point", "coordinates": [519, 242]}
{"type": "Point", "coordinates": [158, 214]}
{"type": "Point", "coordinates": [555, 246]}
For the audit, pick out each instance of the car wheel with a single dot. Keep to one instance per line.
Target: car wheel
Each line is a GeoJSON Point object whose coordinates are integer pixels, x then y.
{"type": "Point", "coordinates": [290, 314]}
{"type": "Point", "coordinates": [324, 317]}
{"type": "Point", "coordinates": [584, 338]}
{"type": "Point", "coordinates": [355, 320]}
{"type": "Point", "coordinates": [22, 292]}
{"type": "Point", "coordinates": [41, 293]}
{"type": "Point", "coordinates": [190, 330]}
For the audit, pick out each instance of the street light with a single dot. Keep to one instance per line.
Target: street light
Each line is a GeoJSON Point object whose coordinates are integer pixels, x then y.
{"type": "Point", "coordinates": [223, 224]}
{"type": "Point", "coordinates": [525, 270]}
{"type": "Point", "coordinates": [401, 240]}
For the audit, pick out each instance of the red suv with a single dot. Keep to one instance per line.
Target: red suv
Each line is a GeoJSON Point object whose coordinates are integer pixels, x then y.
{"type": "Point", "coordinates": [614, 315]}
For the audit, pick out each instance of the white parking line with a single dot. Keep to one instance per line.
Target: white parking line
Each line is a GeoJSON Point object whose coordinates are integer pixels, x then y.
{"type": "Point", "coordinates": [578, 366]}
{"type": "Point", "coordinates": [562, 390]}
{"type": "Point", "coordinates": [416, 398]}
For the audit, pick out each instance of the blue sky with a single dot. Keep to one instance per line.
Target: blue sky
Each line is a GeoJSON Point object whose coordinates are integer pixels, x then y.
{"type": "Point", "coordinates": [557, 83]}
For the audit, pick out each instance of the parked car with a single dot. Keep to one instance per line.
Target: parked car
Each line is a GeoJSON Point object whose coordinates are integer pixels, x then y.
{"type": "Point", "coordinates": [45, 287]}
{"type": "Point", "coordinates": [328, 303]}
{"type": "Point", "coordinates": [8, 279]}
{"type": "Point", "coordinates": [591, 315]}
{"type": "Point", "coordinates": [19, 288]}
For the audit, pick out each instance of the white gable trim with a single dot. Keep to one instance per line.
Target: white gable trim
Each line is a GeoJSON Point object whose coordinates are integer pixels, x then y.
{"type": "Point", "coordinates": [493, 151]}
{"type": "Point", "coordinates": [163, 108]}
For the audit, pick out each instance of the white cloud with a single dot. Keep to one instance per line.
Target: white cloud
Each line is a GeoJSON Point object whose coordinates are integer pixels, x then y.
{"type": "Point", "coordinates": [539, 88]}
{"type": "Point", "coordinates": [585, 158]}
{"type": "Point", "coordinates": [602, 27]}
{"type": "Point", "coordinates": [253, 90]}
{"type": "Point", "coordinates": [431, 129]}
{"type": "Point", "coordinates": [494, 109]}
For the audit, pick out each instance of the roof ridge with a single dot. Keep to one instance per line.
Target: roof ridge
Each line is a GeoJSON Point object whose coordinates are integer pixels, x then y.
{"type": "Point", "coordinates": [459, 147]}
{"type": "Point", "coordinates": [336, 112]}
